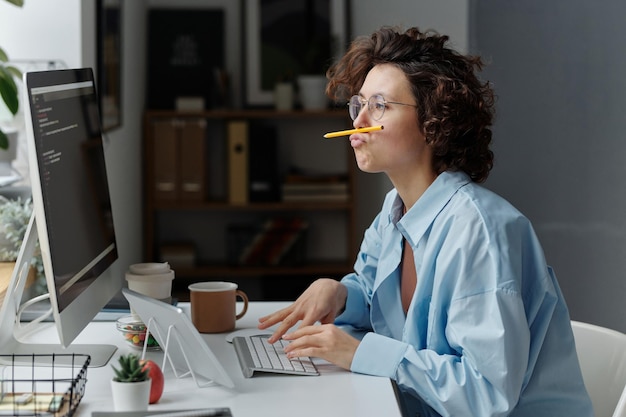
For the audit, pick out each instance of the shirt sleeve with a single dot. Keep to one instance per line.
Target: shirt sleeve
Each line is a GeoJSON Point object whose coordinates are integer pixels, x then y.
{"type": "Point", "coordinates": [360, 283]}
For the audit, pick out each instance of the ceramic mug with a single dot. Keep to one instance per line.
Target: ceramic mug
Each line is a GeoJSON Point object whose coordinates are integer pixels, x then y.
{"type": "Point", "coordinates": [213, 306]}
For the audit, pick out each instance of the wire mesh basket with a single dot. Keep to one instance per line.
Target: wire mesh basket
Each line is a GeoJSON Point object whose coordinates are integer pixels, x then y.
{"type": "Point", "coordinates": [42, 385]}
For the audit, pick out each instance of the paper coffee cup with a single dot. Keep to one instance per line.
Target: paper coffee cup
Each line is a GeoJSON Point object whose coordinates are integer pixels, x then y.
{"type": "Point", "coordinates": [150, 268]}
{"type": "Point", "coordinates": [151, 279]}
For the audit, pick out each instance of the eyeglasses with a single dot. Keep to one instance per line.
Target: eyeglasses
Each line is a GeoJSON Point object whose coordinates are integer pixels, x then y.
{"type": "Point", "coordinates": [376, 105]}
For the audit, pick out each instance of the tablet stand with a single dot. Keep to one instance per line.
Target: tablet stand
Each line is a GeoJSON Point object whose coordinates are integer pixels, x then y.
{"type": "Point", "coordinates": [182, 343]}
{"type": "Point", "coordinates": [172, 336]}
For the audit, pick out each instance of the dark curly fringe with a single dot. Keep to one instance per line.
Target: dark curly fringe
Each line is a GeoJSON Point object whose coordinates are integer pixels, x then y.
{"type": "Point", "coordinates": [455, 108]}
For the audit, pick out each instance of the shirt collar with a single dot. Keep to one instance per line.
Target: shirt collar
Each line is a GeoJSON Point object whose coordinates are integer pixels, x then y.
{"type": "Point", "coordinates": [418, 219]}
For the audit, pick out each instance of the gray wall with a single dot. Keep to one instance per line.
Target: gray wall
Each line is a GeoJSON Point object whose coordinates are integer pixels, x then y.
{"type": "Point", "coordinates": [558, 69]}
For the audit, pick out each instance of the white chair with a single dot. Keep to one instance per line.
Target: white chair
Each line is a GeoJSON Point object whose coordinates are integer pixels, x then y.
{"type": "Point", "coordinates": [602, 357]}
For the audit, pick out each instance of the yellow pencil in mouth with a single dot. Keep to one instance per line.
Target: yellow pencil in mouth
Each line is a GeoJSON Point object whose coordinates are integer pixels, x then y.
{"type": "Point", "coordinates": [351, 131]}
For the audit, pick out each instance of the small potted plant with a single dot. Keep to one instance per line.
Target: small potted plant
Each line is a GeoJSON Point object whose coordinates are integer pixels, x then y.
{"type": "Point", "coordinates": [131, 385]}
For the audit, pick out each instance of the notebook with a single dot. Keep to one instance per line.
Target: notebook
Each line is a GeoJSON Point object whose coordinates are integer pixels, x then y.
{"type": "Point", "coordinates": [204, 412]}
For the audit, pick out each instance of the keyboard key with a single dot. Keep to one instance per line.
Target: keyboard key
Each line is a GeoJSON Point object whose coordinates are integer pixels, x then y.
{"type": "Point", "coordinates": [297, 365]}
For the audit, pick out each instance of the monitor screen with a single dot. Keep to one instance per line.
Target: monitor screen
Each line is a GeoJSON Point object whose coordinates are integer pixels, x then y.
{"type": "Point", "coordinates": [71, 202]}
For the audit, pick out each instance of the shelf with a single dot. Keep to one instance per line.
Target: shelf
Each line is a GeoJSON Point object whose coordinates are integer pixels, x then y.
{"type": "Point", "coordinates": [337, 113]}
{"type": "Point", "coordinates": [317, 268]}
{"type": "Point", "coordinates": [202, 221]}
{"type": "Point", "coordinates": [272, 206]}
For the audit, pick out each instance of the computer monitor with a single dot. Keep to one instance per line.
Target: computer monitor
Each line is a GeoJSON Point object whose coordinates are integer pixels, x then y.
{"type": "Point", "coordinates": [72, 216]}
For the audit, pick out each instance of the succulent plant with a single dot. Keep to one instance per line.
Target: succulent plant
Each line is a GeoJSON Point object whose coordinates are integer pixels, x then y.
{"type": "Point", "coordinates": [130, 370]}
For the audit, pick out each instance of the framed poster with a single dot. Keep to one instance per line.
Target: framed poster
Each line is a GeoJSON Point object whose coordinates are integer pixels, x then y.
{"type": "Point", "coordinates": [109, 60]}
{"type": "Point", "coordinates": [186, 56]}
{"type": "Point", "coordinates": [287, 38]}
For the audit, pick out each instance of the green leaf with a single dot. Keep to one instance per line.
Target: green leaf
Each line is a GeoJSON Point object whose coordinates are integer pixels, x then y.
{"type": "Point", "coordinates": [125, 363]}
{"type": "Point", "coordinates": [130, 369]}
{"type": "Point", "coordinates": [8, 90]}
{"type": "Point", "coordinates": [16, 72]}
{"type": "Point", "coordinates": [4, 141]}
{"type": "Point", "coordinates": [119, 376]}
{"type": "Point", "coordinates": [18, 3]}
{"type": "Point", "coordinates": [3, 56]}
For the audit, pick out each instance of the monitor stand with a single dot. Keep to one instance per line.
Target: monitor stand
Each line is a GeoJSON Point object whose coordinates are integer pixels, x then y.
{"type": "Point", "coordinates": [10, 345]}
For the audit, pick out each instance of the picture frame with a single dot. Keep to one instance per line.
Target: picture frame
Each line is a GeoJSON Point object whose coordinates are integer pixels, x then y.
{"type": "Point", "coordinates": [186, 57]}
{"type": "Point", "coordinates": [109, 62]}
{"type": "Point", "coordinates": [310, 33]}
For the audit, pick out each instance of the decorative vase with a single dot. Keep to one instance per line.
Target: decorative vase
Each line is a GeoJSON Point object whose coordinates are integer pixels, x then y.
{"type": "Point", "coordinates": [312, 92]}
{"type": "Point", "coordinates": [283, 96]}
{"type": "Point", "coordinates": [131, 396]}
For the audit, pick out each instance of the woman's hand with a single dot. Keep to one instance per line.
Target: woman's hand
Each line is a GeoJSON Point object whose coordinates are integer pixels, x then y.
{"type": "Point", "coordinates": [322, 301]}
{"type": "Point", "coordinates": [326, 341]}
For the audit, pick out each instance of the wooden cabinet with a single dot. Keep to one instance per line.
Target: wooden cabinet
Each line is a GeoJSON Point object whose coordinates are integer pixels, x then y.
{"type": "Point", "coordinates": [203, 208]}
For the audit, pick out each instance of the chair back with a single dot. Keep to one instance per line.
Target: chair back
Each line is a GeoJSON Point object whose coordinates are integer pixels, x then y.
{"type": "Point", "coordinates": [602, 357]}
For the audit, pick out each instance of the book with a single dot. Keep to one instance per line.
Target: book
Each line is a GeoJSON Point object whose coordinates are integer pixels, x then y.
{"type": "Point", "coordinates": [178, 255]}
{"type": "Point", "coordinates": [327, 198]}
{"type": "Point", "coordinates": [203, 412]}
{"type": "Point", "coordinates": [315, 188]}
{"type": "Point", "coordinates": [298, 176]}
{"type": "Point", "coordinates": [284, 236]}
{"type": "Point", "coordinates": [273, 242]}
{"type": "Point", "coordinates": [165, 159]}
{"type": "Point", "coordinates": [237, 162]}
{"type": "Point", "coordinates": [193, 178]}
{"type": "Point", "coordinates": [315, 191]}
{"type": "Point", "coordinates": [264, 183]}
{"type": "Point", "coordinates": [34, 403]}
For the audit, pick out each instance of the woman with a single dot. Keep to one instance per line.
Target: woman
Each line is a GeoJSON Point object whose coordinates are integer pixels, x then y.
{"type": "Point", "coordinates": [451, 283]}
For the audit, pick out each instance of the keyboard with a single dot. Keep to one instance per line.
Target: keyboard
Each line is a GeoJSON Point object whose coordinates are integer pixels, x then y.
{"type": "Point", "coordinates": [256, 354]}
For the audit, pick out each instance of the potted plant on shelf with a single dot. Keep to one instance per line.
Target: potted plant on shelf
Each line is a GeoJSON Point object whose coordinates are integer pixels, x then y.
{"type": "Point", "coordinates": [131, 385]}
{"type": "Point", "coordinates": [311, 81]}
{"type": "Point", "coordinates": [8, 89]}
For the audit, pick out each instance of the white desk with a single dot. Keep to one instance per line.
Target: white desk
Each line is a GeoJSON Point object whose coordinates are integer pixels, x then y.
{"type": "Point", "coordinates": [335, 392]}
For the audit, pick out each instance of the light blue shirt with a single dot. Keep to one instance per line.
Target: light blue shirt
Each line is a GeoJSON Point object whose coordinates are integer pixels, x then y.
{"type": "Point", "coordinates": [488, 332]}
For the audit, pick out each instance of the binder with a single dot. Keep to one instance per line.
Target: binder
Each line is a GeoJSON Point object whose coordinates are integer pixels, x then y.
{"type": "Point", "coordinates": [264, 181]}
{"type": "Point", "coordinates": [165, 159]}
{"type": "Point", "coordinates": [237, 162]}
{"type": "Point", "coordinates": [193, 178]}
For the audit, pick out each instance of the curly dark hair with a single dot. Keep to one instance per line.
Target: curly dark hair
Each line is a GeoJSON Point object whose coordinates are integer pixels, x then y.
{"type": "Point", "coordinates": [455, 109]}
